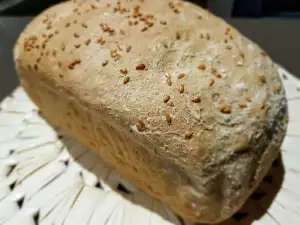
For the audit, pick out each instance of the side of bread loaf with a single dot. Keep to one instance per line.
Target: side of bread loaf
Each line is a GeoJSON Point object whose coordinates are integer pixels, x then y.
{"type": "Point", "coordinates": [174, 98]}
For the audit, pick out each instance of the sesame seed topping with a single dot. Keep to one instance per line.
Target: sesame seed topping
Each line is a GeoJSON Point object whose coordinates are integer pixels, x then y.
{"type": "Point", "coordinates": [217, 75]}
{"type": "Point", "coordinates": [189, 135]}
{"type": "Point", "coordinates": [105, 63]}
{"type": "Point", "coordinates": [166, 99]}
{"type": "Point", "coordinates": [181, 89]}
{"type": "Point", "coordinates": [169, 82]}
{"type": "Point", "coordinates": [67, 24]}
{"type": "Point", "coordinates": [171, 104]}
{"type": "Point", "coordinates": [263, 54]}
{"type": "Point", "coordinates": [262, 78]}
{"type": "Point", "coordinates": [77, 45]}
{"type": "Point", "coordinates": [123, 70]}
{"type": "Point", "coordinates": [144, 29]}
{"type": "Point", "coordinates": [163, 22]}
{"type": "Point", "coordinates": [225, 109]}
{"type": "Point", "coordinates": [242, 54]}
{"type": "Point", "coordinates": [84, 25]}
{"type": "Point", "coordinates": [167, 75]}
{"type": "Point", "coordinates": [211, 82]}
{"type": "Point", "coordinates": [196, 99]}
{"type": "Point", "coordinates": [101, 41]}
{"type": "Point", "coordinates": [177, 35]}
{"type": "Point", "coordinates": [213, 70]}
{"type": "Point", "coordinates": [202, 67]}
{"type": "Point", "coordinates": [126, 80]}
{"type": "Point", "coordinates": [262, 106]}
{"type": "Point", "coordinates": [168, 119]}
{"type": "Point", "coordinates": [76, 35]}
{"type": "Point", "coordinates": [87, 42]}
{"type": "Point", "coordinates": [277, 88]}
{"type": "Point", "coordinates": [128, 48]}
{"type": "Point", "coordinates": [180, 76]}
{"type": "Point", "coordinates": [242, 105]}
{"type": "Point", "coordinates": [228, 47]}
{"type": "Point", "coordinates": [248, 99]}
{"type": "Point", "coordinates": [141, 66]}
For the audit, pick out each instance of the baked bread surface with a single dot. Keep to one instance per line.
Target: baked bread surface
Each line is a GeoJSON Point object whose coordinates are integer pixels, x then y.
{"type": "Point", "coordinates": [175, 99]}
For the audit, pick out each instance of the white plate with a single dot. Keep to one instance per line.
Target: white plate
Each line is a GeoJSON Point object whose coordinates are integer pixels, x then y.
{"type": "Point", "coordinates": [42, 183]}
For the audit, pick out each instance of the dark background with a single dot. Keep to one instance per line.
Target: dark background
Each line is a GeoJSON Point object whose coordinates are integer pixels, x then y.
{"type": "Point", "coordinates": [273, 24]}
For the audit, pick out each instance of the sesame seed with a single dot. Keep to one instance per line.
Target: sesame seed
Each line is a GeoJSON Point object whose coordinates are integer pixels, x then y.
{"type": "Point", "coordinates": [150, 24]}
{"type": "Point", "coordinates": [262, 78]}
{"type": "Point", "coordinates": [176, 11]}
{"type": "Point", "coordinates": [126, 80]}
{"type": "Point", "coordinates": [196, 99]}
{"type": "Point", "coordinates": [141, 66]}
{"type": "Point", "coordinates": [140, 126]}
{"type": "Point", "coordinates": [181, 89]}
{"type": "Point", "coordinates": [130, 23]}
{"type": "Point", "coordinates": [169, 82]}
{"type": "Point", "coordinates": [123, 70]}
{"type": "Point", "coordinates": [263, 54]}
{"type": "Point", "coordinates": [67, 24]}
{"type": "Point", "coordinates": [166, 99]}
{"type": "Point", "coordinates": [189, 135]}
{"type": "Point", "coordinates": [76, 35]}
{"type": "Point", "coordinates": [208, 36]}
{"type": "Point", "coordinates": [71, 66]}
{"type": "Point", "coordinates": [263, 106]}
{"type": "Point", "coordinates": [225, 109]}
{"type": "Point", "coordinates": [163, 22]}
{"type": "Point", "coordinates": [77, 45]}
{"type": "Point", "coordinates": [228, 29]}
{"type": "Point", "coordinates": [122, 32]}
{"type": "Point", "coordinates": [242, 105]}
{"type": "Point", "coordinates": [84, 25]}
{"type": "Point", "coordinates": [202, 67]}
{"type": "Point", "coordinates": [167, 75]}
{"type": "Point", "coordinates": [248, 99]}
{"type": "Point", "coordinates": [135, 22]}
{"type": "Point", "coordinates": [228, 47]}
{"type": "Point", "coordinates": [77, 61]}
{"type": "Point", "coordinates": [144, 29]}
{"type": "Point", "coordinates": [180, 76]}
{"type": "Point", "coordinates": [242, 54]}
{"type": "Point", "coordinates": [277, 88]}
{"type": "Point", "coordinates": [105, 63]}
{"type": "Point", "coordinates": [168, 118]}
{"type": "Point", "coordinates": [171, 104]}
{"type": "Point", "coordinates": [177, 35]}
{"type": "Point", "coordinates": [211, 82]}
{"type": "Point", "coordinates": [213, 70]}
{"type": "Point", "coordinates": [217, 75]}
{"type": "Point", "coordinates": [36, 67]}
{"type": "Point", "coordinates": [87, 42]}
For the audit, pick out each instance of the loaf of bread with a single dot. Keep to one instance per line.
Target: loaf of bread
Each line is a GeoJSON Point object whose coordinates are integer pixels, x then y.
{"type": "Point", "coordinates": [175, 99]}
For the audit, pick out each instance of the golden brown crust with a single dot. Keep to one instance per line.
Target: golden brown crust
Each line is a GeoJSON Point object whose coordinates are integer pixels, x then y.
{"type": "Point", "coordinates": [163, 88]}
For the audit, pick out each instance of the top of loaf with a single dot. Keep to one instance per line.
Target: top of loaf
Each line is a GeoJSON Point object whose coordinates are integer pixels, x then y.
{"type": "Point", "coordinates": [168, 71]}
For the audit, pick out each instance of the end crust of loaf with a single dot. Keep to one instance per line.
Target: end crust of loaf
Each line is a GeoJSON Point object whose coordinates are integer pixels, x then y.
{"type": "Point", "coordinates": [175, 99]}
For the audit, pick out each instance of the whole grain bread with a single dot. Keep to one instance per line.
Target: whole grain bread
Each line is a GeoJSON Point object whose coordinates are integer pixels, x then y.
{"type": "Point", "coordinates": [178, 101]}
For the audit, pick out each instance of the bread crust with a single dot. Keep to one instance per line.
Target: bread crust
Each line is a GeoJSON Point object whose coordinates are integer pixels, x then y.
{"type": "Point", "coordinates": [174, 98]}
